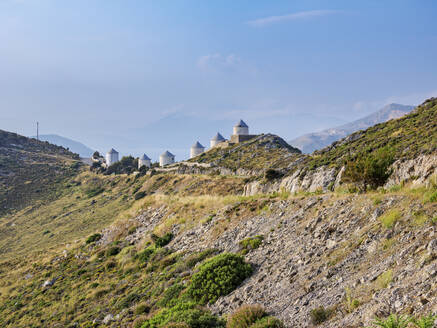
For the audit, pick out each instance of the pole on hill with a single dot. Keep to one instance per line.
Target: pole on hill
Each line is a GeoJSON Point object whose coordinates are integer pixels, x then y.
{"type": "Point", "coordinates": [37, 130]}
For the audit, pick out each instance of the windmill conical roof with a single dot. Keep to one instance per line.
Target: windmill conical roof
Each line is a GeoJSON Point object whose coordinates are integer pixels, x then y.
{"type": "Point", "coordinates": [218, 137]}
{"type": "Point", "coordinates": [197, 145]}
{"type": "Point", "coordinates": [167, 154]}
{"type": "Point", "coordinates": [112, 151]}
{"type": "Point", "coordinates": [145, 157]}
{"type": "Point", "coordinates": [241, 124]}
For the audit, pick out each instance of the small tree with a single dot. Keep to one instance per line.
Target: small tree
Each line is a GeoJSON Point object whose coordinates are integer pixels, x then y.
{"type": "Point", "coordinates": [370, 170]}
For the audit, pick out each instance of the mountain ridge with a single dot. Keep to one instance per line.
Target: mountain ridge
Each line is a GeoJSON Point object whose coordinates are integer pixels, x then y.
{"type": "Point", "coordinates": [318, 140]}
{"type": "Point", "coordinates": [73, 145]}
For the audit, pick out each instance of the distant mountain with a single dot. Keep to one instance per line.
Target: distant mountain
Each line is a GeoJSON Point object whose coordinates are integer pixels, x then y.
{"type": "Point", "coordinates": [74, 146]}
{"type": "Point", "coordinates": [318, 140]}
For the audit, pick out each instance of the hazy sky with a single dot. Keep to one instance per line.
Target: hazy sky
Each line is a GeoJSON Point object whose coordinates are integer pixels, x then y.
{"type": "Point", "coordinates": [140, 75]}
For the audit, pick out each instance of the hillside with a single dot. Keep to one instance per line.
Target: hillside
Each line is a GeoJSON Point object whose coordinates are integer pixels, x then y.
{"type": "Point", "coordinates": [72, 145]}
{"type": "Point", "coordinates": [169, 249]}
{"type": "Point", "coordinates": [262, 152]}
{"type": "Point", "coordinates": [409, 136]}
{"type": "Point", "coordinates": [318, 140]}
{"type": "Point", "coordinates": [30, 170]}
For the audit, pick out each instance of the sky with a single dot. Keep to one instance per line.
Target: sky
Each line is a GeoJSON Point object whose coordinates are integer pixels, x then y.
{"type": "Point", "coordinates": [148, 76]}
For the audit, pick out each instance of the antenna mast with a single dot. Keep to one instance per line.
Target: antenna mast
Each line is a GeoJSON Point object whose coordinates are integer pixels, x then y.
{"type": "Point", "coordinates": [37, 130]}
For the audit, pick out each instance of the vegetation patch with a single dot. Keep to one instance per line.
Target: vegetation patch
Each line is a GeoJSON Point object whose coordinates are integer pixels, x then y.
{"type": "Point", "coordinates": [162, 241]}
{"type": "Point", "coordinates": [253, 316]}
{"type": "Point", "coordinates": [384, 279]}
{"type": "Point", "coordinates": [93, 238]}
{"type": "Point", "coordinates": [370, 170]}
{"type": "Point", "coordinates": [188, 313]}
{"type": "Point", "coordinates": [218, 276]}
{"type": "Point", "coordinates": [250, 243]}
{"type": "Point", "coordinates": [320, 315]}
{"type": "Point", "coordinates": [389, 219]}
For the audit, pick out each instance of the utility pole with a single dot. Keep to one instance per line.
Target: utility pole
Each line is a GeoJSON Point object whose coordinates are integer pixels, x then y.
{"type": "Point", "coordinates": [37, 130]}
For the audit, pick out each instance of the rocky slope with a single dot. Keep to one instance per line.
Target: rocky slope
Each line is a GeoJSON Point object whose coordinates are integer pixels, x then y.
{"type": "Point", "coordinates": [318, 140]}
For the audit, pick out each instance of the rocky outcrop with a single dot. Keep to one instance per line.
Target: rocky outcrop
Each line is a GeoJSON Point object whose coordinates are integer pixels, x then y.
{"type": "Point", "coordinates": [417, 170]}
{"type": "Point", "coordinates": [321, 179]}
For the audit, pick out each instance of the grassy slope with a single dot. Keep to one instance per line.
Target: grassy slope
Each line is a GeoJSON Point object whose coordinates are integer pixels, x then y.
{"type": "Point", "coordinates": [77, 212]}
{"type": "Point", "coordinates": [30, 170]}
{"type": "Point", "coordinates": [409, 136]}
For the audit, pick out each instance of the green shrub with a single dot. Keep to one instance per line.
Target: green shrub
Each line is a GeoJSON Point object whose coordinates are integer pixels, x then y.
{"type": "Point", "coordinates": [350, 303]}
{"type": "Point", "coordinates": [94, 191]}
{"type": "Point", "coordinates": [114, 250]}
{"type": "Point", "coordinates": [430, 196]}
{"type": "Point", "coordinates": [245, 316]}
{"type": "Point", "coordinates": [320, 315]}
{"type": "Point", "coordinates": [93, 238]}
{"type": "Point", "coordinates": [390, 218]}
{"type": "Point", "coordinates": [189, 313]}
{"type": "Point", "coordinates": [218, 276]}
{"type": "Point", "coordinates": [162, 241]}
{"type": "Point", "coordinates": [144, 255]}
{"type": "Point", "coordinates": [370, 170]}
{"type": "Point", "coordinates": [251, 243]}
{"type": "Point", "coordinates": [193, 259]}
{"type": "Point", "coordinates": [393, 321]}
{"type": "Point", "coordinates": [425, 321]}
{"type": "Point", "coordinates": [268, 322]}
{"type": "Point", "coordinates": [140, 195]}
{"type": "Point", "coordinates": [170, 295]}
{"type": "Point", "coordinates": [142, 308]}
{"type": "Point", "coordinates": [272, 174]}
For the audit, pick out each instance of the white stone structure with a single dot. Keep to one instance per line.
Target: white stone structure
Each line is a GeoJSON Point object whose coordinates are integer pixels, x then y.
{"type": "Point", "coordinates": [196, 149]}
{"type": "Point", "coordinates": [166, 158]}
{"type": "Point", "coordinates": [241, 129]}
{"type": "Point", "coordinates": [218, 138]}
{"type": "Point", "coordinates": [144, 161]}
{"type": "Point", "coordinates": [111, 157]}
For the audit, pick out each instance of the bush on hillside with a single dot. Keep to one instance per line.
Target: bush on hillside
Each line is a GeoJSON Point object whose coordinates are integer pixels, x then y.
{"type": "Point", "coordinates": [140, 195]}
{"type": "Point", "coordinates": [126, 165]}
{"type": "Point", "coordinates": [272, 174]}
{"type": "Point", "coordinates": [218, 276]}
{"type": "Point", "coordinates": [112, 251]}
{"type": "Point", "coordinates": [189, 314]}
{"type": "Point", "coordinates": [252, 316]}
{"type": "Point", "coordinates": [93, 238]}
{"type": "Point", "coordinates": [370, 170]}
{"type": "Point", "coordinates": [245, 316]}
{"type": "Point", "coordinates": [268, 322]}
{"type": "Point", "coordinates": [320, 315]}
{"type": "Point", "coordinates": [162, 241]}
{"type": "Point", "coordinates": [250, 243]}
{"type": "Point", "coordinates": [392, 321]}
{"type": "Point", "coordinates": [144, 255]}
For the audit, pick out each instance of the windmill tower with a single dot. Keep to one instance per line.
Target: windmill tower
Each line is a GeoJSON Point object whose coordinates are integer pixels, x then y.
{"type": "Point", "coordinates": [196, 149]}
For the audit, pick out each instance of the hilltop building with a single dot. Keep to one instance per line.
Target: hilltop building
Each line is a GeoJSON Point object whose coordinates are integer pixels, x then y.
{"type": "Point", "coordinates": [144, 161]}
{"type": "Point", "coordinates": [111, 157]}
{"type": "Point", "coordinates": [241, 133]}
{"type": "Point", "coordinates": [166, 158]}
{"type": "Point", "coordinates": [196, 149]}
{"type": "Point", "coordinates": [217, 139]}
